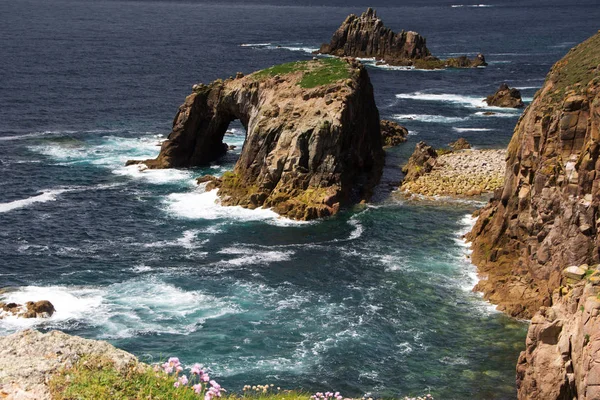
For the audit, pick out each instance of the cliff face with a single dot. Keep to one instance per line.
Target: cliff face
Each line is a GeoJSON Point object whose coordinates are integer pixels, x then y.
{"type": "Point", "coordinates": [367, 37]}
{"type": "Point", "coordinates": [562, 357]}
{"type": "Point", "coordinates": [313, 138]}
{"type": "Point", "coordinates": [546, 216]}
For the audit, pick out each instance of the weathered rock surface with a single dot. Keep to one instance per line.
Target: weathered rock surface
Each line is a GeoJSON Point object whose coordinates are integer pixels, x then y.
{"type": "Point", "coordinates": [459, 173]}
{"type": "Point", "coordinates": [29, 358]}
{"type": "Point", "coordinates": [562, 357]}
{"type": "Point", "coordinates": [38, 309]}
{"type": "Point", "coordinates": [505, 97]}
{"type": "Point", "coordinates": [392, 133]}
{"type": "Point", "coordinates": [460, 144]}
{"type": "Point", "coordinates": [546, 216]}
{"type": "Point", "coordinates": [313, 139]}
{"type": "Point", "coordinates": [367, 37]}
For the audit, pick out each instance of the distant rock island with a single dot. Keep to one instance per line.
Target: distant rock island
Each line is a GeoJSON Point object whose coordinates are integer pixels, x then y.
{"type": "Point", "coordinates": [537, 243]}
{"type": "Point", "coordinates": [313, 139]}
{"type": "Point", "coordinates": [367, 37]}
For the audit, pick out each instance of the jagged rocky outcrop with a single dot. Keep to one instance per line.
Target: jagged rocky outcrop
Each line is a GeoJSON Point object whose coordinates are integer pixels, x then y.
{"type": "Point", "coordinates": [392, 133]}
{"type": "Point", "coordinates": [367, 37]}
{"type": "Point", "coordinates": [562, 357]}
{"type": "Point", "coordinates": [37, 309]}
{"type": "Point", "coordinates": [505, 97]}
{"type": "Point", "coordinates": [29, 358]}
{"type": "Point", "coordinates": [545, 218]}
{"type": "Point", "coordinates": [459, 172]}
{"type": "Point", "coordinates": [313, 139]}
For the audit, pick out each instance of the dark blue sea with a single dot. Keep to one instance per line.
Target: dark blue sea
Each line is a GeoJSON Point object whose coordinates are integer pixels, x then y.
{"type": "Point", "coordinates": [375, 300]}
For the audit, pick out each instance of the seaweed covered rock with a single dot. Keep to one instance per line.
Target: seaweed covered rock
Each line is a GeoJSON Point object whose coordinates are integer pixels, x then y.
{"type": "Point", "coordinates": [505, 97]}
{"type": "Point", "coordinates": [313, 140]}
{"type": "Point", "coordinates": [546, 216]}
{"type": "Point", "coordinates": [366, 36]}
{"type": "Point", "coordinates": [392, 133]}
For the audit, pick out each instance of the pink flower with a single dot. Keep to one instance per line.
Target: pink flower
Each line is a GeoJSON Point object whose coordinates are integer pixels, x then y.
{"type": "Point", "coordinates": [197, 388]}
{"type": "Point", "coordinates": [215, 385]}
{"type": "Point", "coordinates": [205, 378]}
{"type": "Point", "coordinates": [183, 380]}
{"type": "Point", "coordinates": [179, 368]}
{"type": "Point", "coordinates": [209, 395]}
{"type": "Point", "coordinates": [176, 384]}
{"type": "Point", "coordinates": [197, 369]}
{"type": "Point", "coordinates": [174, 361]}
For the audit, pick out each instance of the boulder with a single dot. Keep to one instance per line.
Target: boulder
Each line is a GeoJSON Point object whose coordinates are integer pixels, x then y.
{"type": "Point", "coordinates": [392, 133]}
{"type": "Point", "coordinates": [574, 272]}
{"type": "Point", "coordinates": [460, 144]}
{"type": "Point", "coordinates": [38, 309]}
{"type": "Point", "coordinates": [422, 161]}
{"type": "Point", "coordinates": [505, 97]}
{"type": "Point", "coordinates": [313, 141]}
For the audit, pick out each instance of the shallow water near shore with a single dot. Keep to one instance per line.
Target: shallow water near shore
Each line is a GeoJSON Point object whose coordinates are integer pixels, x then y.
{"type": "Point", "coordinates": [375, 300]}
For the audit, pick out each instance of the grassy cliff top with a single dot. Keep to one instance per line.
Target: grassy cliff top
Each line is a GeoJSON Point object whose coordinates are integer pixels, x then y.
{"type": "Point", "coordinates": [578, 67]}
{"type": "Point", "coordinates": [314, 73]}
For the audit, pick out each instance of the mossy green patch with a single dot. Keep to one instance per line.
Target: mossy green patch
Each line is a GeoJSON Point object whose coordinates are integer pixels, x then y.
{"type": "Point", "coordinates": [315, 73]}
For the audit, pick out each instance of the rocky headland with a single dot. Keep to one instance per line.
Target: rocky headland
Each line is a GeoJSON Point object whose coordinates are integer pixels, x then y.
{"type": "Point", "coordinates": [366, 36]}
{"type": "Point", "coordinates": [505, 97]}
{"type": "Point", "coordinates": [313, 140]}
{"type": "Point", "coordinates": [460, 172]}
{"type": "Point", "coordinates": [535, 240]}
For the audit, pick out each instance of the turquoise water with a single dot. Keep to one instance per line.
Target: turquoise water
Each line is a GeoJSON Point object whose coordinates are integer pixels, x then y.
{"type": "Point", "coordinates": [375, 300]}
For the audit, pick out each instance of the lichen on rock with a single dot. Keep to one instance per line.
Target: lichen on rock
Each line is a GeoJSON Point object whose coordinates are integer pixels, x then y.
{"type": "Point", "coordinates": [366, 36]}
{"type": "Point", "coordinates": [313, 141]}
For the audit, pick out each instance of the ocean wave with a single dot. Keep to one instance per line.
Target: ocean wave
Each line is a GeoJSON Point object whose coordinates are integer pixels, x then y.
{"type": "Point", "coordinates": [469, 101]}
{"type": "Point", "coordinates": [472, 129]}
{"type": "Point", "coordinates": [273, 46]}
{"type": "Point", "coordinates": [48, 195]}
{"type": "Point", "coordinates": [252, 256]}
{"type": "Point", "coordinates": [471, 5]}
{"type": "Point", "coordinates": [206, 205]}
{"type": "Point", "coordinates": [496, 114]}
{"type": "Point", "coordinates": [439, 119]}
{"type": "Point", "coordinates": [130, 308]}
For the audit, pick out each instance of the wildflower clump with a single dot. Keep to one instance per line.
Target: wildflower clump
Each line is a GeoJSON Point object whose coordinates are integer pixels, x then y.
{"type": "Point", "coordinates": [199, 380]}
{"type": "Point", "coordinates": [327, 396]}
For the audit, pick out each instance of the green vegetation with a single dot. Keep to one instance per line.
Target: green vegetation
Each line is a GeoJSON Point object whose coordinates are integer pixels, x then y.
{"type": "Point", "coordinates": [442, 151]}
{"type": "Point", "coordinates": [331, 70]}
{"type": "Point", "coordinates": [97, 378]}
{"type": "Point", "coordinates": [579, 66]}
{"type": "Point", "coordinates": [315, 73]}
{"type": "Point", "coordinates": [586, 339]}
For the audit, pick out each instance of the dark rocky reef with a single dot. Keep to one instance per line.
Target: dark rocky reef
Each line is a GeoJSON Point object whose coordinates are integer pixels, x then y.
{"type": "Point", "coordinates": [367, 37]}
{"type": "Point", "coordinates": [505, 97]}
{"type": "Point", "coordinates": [313, 140]}
{"type": "Point", "coordinates": [392, 133]}
{"type": "Point", "coordinates": [38, 309]}
{"type": "Point", "coordinates": [546, 216]}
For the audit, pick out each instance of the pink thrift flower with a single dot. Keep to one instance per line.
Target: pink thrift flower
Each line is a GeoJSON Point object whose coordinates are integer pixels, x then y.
{"type": "Point", "coordinates": [179, 368]}
{"type": "Point", "coordinates": [176, 384]}
{"type": "Point", "coordinates": [174, 361]}
{"type": "Point", "coordinates": [209, 395]}
{"type": "Point", "coordinates": [183, 380]}
{"type": "Point", "coordinates": [205, 378]}
{"type": "Point", "coordinates": [197, 388]}
{"type": "Point", "coordinates": [215, 385]}
{"type": "Point", "coordinates": [197, 369]}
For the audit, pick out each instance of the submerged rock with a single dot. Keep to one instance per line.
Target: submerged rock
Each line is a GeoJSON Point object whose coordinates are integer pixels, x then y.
{"type": "Point", "coordinates": [313, 139]}
{"type": "Point", "coordinates": [505, 97]}
{"type": "Point", "coordinates": [367, 37]}
{"type": "Point", "coordinates": [546, 215]}
{"type": "Point", "coordinates": [392, 133]}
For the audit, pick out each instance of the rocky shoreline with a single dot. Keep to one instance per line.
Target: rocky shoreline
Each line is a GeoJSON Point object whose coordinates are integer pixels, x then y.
{"type": "Point", "coordinates": [461, 173]}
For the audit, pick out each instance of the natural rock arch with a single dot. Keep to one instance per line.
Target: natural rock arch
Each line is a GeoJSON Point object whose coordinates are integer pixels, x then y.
{"type": "Point", "coordinates": [313, 139]}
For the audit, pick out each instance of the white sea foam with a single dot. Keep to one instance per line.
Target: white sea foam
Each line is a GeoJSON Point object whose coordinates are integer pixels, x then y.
{"type": "Point", "coordinates": [272, 46]}
{"type": "Point", "coordinates": [471, 5]}
{"type": "Point", "coordinates": [251, 256]}
{"type": "Point", "coordinates": [439, 119]}
{"type": "Point", "coordinates": [124, 309]}
{"type": "Point", "coordinates": [157, 176]}
{"type": "Point", "coordinates": [206, 205]}
{"type": "Point", "coordinates": [48, 195]}
{"type": "Point", "coordinates": [472, 129]}
{"type": "Point", "coordinates": [527, 87]}
{"type": "Point", "coordinates": [496, 114]}
{"type": "Point", "coordinates": [469, 101]}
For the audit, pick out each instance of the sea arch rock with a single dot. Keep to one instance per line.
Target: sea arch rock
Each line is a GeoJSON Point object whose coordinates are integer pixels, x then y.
{"type": "Point", "coordinates": [313, 140]}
